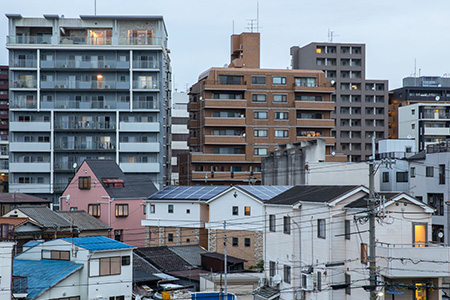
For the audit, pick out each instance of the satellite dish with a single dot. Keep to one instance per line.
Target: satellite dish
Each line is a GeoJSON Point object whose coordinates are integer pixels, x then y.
{"type": "Point", "coordinates": [333, 82]}
{"type": "Point", "coordinates": [437, 98]}
{"type": "Point", "coordinates": [440, 234]}
{"type": "Point", "coordinates": [333, 153]}
{"type": "Point", "coordinates": [75, 165]}
{"type": "Point", "coordinates": [68, 197]}
{"type": "Point", "coordinates": [276, 279]}
{"type": "Point", "coordinates": [409, 136]}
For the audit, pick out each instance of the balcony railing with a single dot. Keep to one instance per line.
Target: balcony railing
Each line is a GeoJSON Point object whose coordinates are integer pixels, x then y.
{"type": "Point", "coordinates": [78, 64]}
{"type": "Point", "coordinates": [85, 146]}
{"type": "Point", "coordinates": [145, 84]}
{"type": "Point", "coordinates": [25, 84]}
{"type": "Point", "coordinates": [84, 125]}
{"type": "Point", "coordinates": [26, 39]}
{"type": "Point", "coordinates": [24, 63]}
{"type": "Point", "coordinates": [90, 85]}
{"type": "Point", "coordinates": [146, 64]}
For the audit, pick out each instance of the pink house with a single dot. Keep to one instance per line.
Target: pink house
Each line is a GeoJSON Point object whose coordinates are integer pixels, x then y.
{"type": "Point", "coordinates": [117, 199]}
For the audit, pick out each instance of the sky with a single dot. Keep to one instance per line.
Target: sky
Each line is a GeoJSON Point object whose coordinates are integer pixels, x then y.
{"type": "Point", "coordinates": [399, 35]}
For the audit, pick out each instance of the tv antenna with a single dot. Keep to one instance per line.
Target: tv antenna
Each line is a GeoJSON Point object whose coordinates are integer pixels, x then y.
{"type": "Point", "coordinates": [252, 25]}
{"type": "Point", "coordinates": [331, 35]}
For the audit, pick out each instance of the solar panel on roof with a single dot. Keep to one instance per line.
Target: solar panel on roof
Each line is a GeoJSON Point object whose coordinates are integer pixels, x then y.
{"type": "Point", "coordinates": [265, 192]}
{"type": "Point", "coordinates": [189, 192]}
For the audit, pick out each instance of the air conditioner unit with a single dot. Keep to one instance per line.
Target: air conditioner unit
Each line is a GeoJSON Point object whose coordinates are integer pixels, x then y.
{"type": "Point", "coordinates": [107, 66]}
{"type": "Point", "coordinates": [307, 282]}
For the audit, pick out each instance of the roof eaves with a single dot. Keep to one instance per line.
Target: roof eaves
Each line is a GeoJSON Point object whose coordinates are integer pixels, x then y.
{"type": "Point", "coordinates": [347, 194]}
{"type": "Point", "coordinates": [61, 279]}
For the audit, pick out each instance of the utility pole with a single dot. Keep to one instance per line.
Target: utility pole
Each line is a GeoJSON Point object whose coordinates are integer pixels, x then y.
{"type": "Point", "coordinates": [371, 208]}
{"type": "Point", "coordinates": [225, 255]}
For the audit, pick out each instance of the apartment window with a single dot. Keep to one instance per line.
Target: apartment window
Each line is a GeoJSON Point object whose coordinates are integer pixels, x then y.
{"type": "Point", "coordinates": [260, 133]}
{"type": "Point", "coordinates": [412, 172]}
{"type": "Point", "coordinates": [84, 183]}
{"type": "Point", "coordinates": [363, 256]}
{"type": "Point", "coordinates": [94, 210]}
{"type": "Point", "coordinates": [402, 176]}
{"type": "Point", "coordinates": [258, 80]}
{"type": "Point", "coordinates": [235, 211]}
{"type": "Point", "coordinates": [441, 174]}
{"type": "Point", "coordinates": [385, 176]}
{"type": "Point", "coordinates": [230, 80]}
{"type": "Point", "coordinates": [272, 268]}
{"type": "Point", "coordinates": [429, 171]}
{"type": "Point", "coordinates": [152, 208]}
{"type": "Point", "coordinates": [59, 255]}
{"type": "Point", "coordinates": [260, 115]}
{"type": "Point", "coordinates": [281, 133]}
{"type": "Point", "coordinates": [305, 81]}
{"type": "Point", "coordinates": [281, 115]}
{"type": "Point", "coordinates": [110, 265]}
{"type": "Point", "coordinates": [347, 229]}
{"type": "Point", "coordinates": [25, 180]}
{"type": "Point", "coordinates": [321, 228]}
{"type": "Point", "coordinates": [260, 151]}
{"type": "Point", "coordinates": [170, 237]}
{"type": "Point", "coordinates": [308, 98]}
{"type": "Point", "coordinates": [247, 242]}
{"type": "Point", "coordinates": [287, 273]}
{"type": "Point", "coordinates": [170, 208]}
{"type": "Point", "coordinates": [235, 242]}
{"type": "Point", "coordinates": [279, 80]}
{"type": "Point", "coordinates": [437, 202]}
{"type": "Point", "coordinates": [247, 210]}
{"type": "Point", "coordinates": [272, 223]}
{"type": "Point", "coordinates": [259, 98]}
{"type": "Point", "coordinates": [413, 112]}
{"type": "Point", "coordinates": [279, 98]}
{"type": "Point", "coordinates": [121, 210]}
{"type": "Point", "coordinates": [287, 225]}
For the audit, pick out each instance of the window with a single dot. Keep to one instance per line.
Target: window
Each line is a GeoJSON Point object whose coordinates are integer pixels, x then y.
{"type": "Point", "coordinates": [260, 133]}
{"type": "Point", "coordinates": [437, 202]}
{"type": "Point", "coordinates": [348, 289]}
{"type": "Point", "coordinates": [59, 255]}
{"type": "Point", "coordinates": [305, 81]}
{"type": "Point", "coordinates": [281, 133]}
{"type": "Point", "coordinates": [272, 268]}
{"type": "Point", "coordinates": [170, 208]}
{"type": "Point", "coordinates": [258, 80]}
{"type": "Point", "coordinates": [126, 261]}
{"type": "Point", "coordinates": [235, 211]}
{"type": "Point", "coordinates": [247, 210]}
{"type": "Point", "coordinates": [117, 298]}
{"type": "Point", "coordinates": [84, 183]}
{"type": "Point", "coordinates": [279, 98]}
{"type": "Point", "coordinates": [121, 210]}
{"type": "Point", "coordinates": [235, 242]}
{"type": "Point", "coordinates": [307, 98]}
{"type": "Point", "coordinates": [437, 233]}
{"type": "Point", "coordinates": [279, 80]}
{"type": "Point", "coordinates": [287, 225]}
{"type": "Point", "coordinates": [321, 228]}
{"type": "Point", "coordinates": [281, 115]}
{"type": "Point", "coordinates": [170, 237]}
{"type": "Point", "coordinates": [272, 223]}
{"type": "Point", "coordinates": [419, 234]}
{"type": "Point", "coordinates": [429, 171]}
{"type": "Point", "coordinates": [188, 211]}
{"type": "Point", "coordinates": [152, 208]}
{"type": "Point", "coordinates": [413, 126]}
{"type": "Point", "coordinates": [230, 80]}
{"type": "Point", "coordinates": [363, 253]}
{"type": "Point", "coordinates": [110, 265]}
{"type": "Point", "coordinates": [118, 234]}
{"type": "Point", "coordinates": [260, 151]}
{"type": "Point", "coordinates": [385, 176]}
{"type": "Point", "coordinates": [319, 281]}
{"type": "Point", "coordinates": [259, 98]}
{"type": "Point", "coordinates": [347, 229]}
{"type": "Point", "coordinates": [94, 210]}
{"type": "Point", "coordinates": [260, 115]}
{"type": "Point", "coordinates": [247, 242]}
{"type": "Point", "coordinates": [412, 172]}
{"type": "Point", "coordinates": [402, 176]}
{"type": "Point", "coordinates": [441, 174]}
{"type": "Point", "coordinates": [287, 273]}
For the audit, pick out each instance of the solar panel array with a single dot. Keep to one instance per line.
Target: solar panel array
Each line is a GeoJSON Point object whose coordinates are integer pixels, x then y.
{"type": "Point", "coordinates": [265, 192]}
{"type": "Point", "coordinates": [189, 192]}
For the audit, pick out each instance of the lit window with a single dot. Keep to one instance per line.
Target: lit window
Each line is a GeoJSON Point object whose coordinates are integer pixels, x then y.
{"type": "Point", "coordinates": [94, 210]}
{"type": "Point", "coordinates": [247, 210]}
{"type": "Point", "coordinates": [84, 183]}
{"type": "Point", "coordinates": [121, 210]}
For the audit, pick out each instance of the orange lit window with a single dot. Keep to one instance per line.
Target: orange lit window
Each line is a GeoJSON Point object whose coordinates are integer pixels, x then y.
{"type": "Point", "coordinates": [318, 50]}
{"type": "Point", "coordinates": [140, 37]}
{"type": "Point", "coordinates": [100, 36]}
{"type": "Point", "coordinates": [247, 210]}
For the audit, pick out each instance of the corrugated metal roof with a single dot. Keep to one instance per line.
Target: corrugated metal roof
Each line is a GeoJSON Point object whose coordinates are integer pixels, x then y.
{"type": "Point", "coordinates": [190, 253]}
{"type": "Point", "coordinates": [98, 243]}
{"type": "Point", "coordinates": [43, 274]}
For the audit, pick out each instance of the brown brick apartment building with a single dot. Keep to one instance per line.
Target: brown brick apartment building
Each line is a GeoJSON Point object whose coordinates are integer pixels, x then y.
{"type": "Point", "coordinates": [240, 113]}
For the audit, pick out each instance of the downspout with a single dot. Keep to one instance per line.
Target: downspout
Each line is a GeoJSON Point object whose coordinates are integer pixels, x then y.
{"type": "Point", "coordinates": [330, 244]}
{"type": "Point", "coordinates": [299, 253]}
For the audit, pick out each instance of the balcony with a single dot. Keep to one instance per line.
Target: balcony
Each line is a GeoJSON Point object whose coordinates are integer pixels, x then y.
{"type": "Point", "coordinates": [85, 145]}
{"type": "Point", "coordinates": [146, 64]}
{"type": "Point", "coordinates": [224, 139]}
{"type": "Point", "coordinates": [146, 84]}
{"type": "Point", "coordinates": [30, 188]}
{"type": "Point", "coordinates": [412, 259]}
{"type": "Point", "coordinates": [140, 167]}
{"type": "Point", "coordinates": [86, 104]}
{"type": "Point", "coordinates": [25, 39]}
{"type": "Point", "coordinates": [223, 176]}
{"type": "Point", "coordinates": [315, 123]}
{"type": "Point", "coordinates": [24, 84]}
{"type": "Point", "coordinates": [24, 63]}
{"type": "Point", "coordinates": [329, 140]}
{"type": "Point", "coordinates": [29, 147]}
{"type": "Point", "coordinates": [139, 147]}
{"type": "Point", "coordinates": [29, 126]}
{"type": "Point", "coordinates": [26, 167]}
{"type": "Point", "coordinates": [83, 64]}
{"type": "Point", "coordinates": [316, 105]}
{"type": "Point", "coordinates": [201, 157]}
{"type": "Point", "coordinates": [209, 121]}
{"type": "Point", "coordinates": [145, 104]}
{"type": "Point", "coordinates": [85, 85]}
{"type": "Point", "coordinates": [216, 85]}
{"type": "Point", "coordinates": [227, 103]}
{"type": "Point", "coordinates": [437, 131]}
{"type": "Point", "coordinates": [141, 126]}
{"type": "Point", "coordinates": [93, 125]}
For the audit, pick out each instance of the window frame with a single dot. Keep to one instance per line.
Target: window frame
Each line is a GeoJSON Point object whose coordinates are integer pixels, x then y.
{"type": "Point", "coordinates": [286, 224]}
{"type": "Point", "coordinates": [321, 228]}
{"type": "Point", "coordinates": [84, 182]}
{"type": "Point", "coordinates": [272, 223]}
{"type": "Point", "coordinates": [122, 210]}
{"type": "Point", "coordinates": [282, 80]}
{"type": "Point", "coordinates": [235, 210]}
{"type": "Point", "coordinates": [94, 212]}
{"type": "Point", "coordinates": [247, 210]}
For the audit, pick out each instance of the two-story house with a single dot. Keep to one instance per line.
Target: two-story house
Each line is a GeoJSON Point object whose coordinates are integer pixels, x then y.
{"type": "Point", "coordinates": [77, 268]}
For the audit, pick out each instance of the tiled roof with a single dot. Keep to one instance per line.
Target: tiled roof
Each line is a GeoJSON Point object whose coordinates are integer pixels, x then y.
{"type": "Point", "coordinates": [83, 220]}
{"type": "Point", "coordinates": [144, 265]}
{"type": "Point", "coordinates": [16, 221]}
{"type": "Point", "coordinates": [43, 274]}
{"type": "Point", "coordinates": [188, 192]}
{"type": "Point", "coordinates": [135, 186]}
{"type": "Point", "coordinates": [21, 198]}
{"type": "Point", "coordinates": [98, 243]}
{"type": "Point", "coordinates": [164, 259]}
{"type": "Point", "coordinates": [220, 256]}
{"type": "Point", "coordinates": [311, 193]}
{"type": "Point", "coordinates": [190, 253]}
{"type": "Point", "coordinates": [44, 215]}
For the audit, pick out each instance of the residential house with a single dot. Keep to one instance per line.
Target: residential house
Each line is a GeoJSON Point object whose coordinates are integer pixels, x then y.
{"type": "Point", "coordinates": [9, 201]}
{"type": "Point", "coordinates": [77, 268]}
{"type": "Point", "coordinates": [117, 199]}
{"type": "Point", "coordinates": [317, 245]}
{"type": "Point", "coordinates": [86, 224]}
{"type": "Point", "coordinates": [19, 230]}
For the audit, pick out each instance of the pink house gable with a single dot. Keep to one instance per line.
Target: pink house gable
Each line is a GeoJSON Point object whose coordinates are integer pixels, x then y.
{"type": "Point", "coordinates": [111, 198]}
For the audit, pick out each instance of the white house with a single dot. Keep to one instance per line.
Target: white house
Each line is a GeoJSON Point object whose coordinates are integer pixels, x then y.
{"type": "Point", "coordinates": [317, 240]}
{"type": "Point", "coordinates": [6, 257]}
{"type": "Point", "coordinates": [77, 268]}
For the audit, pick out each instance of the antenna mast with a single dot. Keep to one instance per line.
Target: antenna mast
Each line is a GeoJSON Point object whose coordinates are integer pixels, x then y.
{"type": "Point", "coordinates": [257, 16]}
{"type": "Point", "coordinates": [95, 7]}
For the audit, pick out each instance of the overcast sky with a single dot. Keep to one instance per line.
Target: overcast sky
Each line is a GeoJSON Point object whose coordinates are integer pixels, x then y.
{"type": "Point", "coordinates": [396, 32]}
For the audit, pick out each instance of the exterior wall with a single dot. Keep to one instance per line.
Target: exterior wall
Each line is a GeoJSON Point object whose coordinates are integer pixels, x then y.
{"type": "Point", "coordinates": [159, 236]}
{"type": "Point", "coordinates": [185, 214]}
{"type": "Point", "coordinates": [361, 104]}
{"type": "Point", "coordinates": [4, 127]}
{"type": "Point", "coordinates": [180, 132]}
{"type": "Point", "coordinates": [6, 259]}
{"type": "Point", "coordinates": [108, 101]}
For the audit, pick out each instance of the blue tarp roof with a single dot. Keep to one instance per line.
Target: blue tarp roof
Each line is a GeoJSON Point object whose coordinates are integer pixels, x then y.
{"type": "Point", "coordinates": [43, 274]}
{"type": "Point", "coordinates": [98, 243]}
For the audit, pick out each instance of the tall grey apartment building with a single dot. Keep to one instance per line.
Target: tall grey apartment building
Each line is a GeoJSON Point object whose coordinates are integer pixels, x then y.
{"type": "Point", "coordinates": [361, 104]}
{"type": "Point", "coordinates": [94, 87]}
